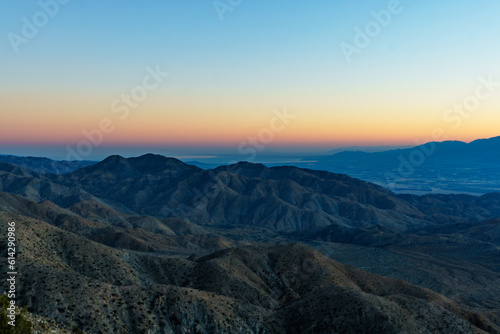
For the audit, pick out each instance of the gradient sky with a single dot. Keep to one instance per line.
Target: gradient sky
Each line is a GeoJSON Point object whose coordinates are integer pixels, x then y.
{"type": "Point", "coordinates": [227, 76]}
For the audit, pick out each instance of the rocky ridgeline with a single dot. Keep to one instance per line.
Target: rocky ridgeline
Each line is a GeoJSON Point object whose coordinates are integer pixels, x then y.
{"type": "Point", "coordinates": [136, 246]}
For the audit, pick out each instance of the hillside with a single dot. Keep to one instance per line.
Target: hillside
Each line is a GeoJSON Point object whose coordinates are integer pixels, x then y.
{"type": "Point", "coordinates": [287, 288]}
{"type": "Point", "coordinates": [158, 239]}
{"type": "Point", "coordinates": [280, 198]}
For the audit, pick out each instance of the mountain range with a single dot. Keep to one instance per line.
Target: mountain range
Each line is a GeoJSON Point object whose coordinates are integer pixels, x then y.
{"type": "Point", "coordinates": [447, 167]}
{"type": "Point", "coordinates": [152, 243]}
{"type": "Point", "coordinates": [433, 167]}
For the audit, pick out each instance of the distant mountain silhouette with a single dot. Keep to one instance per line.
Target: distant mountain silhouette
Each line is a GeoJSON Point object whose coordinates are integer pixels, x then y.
{"type": "Point", "coordinates": [448, 152]}
{"type": "Point", "coordinates": [441, 167]}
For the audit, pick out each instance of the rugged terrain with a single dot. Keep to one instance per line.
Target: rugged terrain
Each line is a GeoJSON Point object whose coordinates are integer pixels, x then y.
{"type": "Point", "coordinates": [151, 243]}
{"type": "Point", "coordinates": [273, 289]}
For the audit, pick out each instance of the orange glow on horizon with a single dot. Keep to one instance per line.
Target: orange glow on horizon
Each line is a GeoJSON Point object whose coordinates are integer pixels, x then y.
{"type": "Point", "coordinates": [51, 120]}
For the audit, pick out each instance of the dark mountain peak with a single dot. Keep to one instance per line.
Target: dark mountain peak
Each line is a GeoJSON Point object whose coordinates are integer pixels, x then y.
{"type": "Point", "coordinates": [113, 159]}
{"type": "Point", "coordinates": [111, 162]}
{"type": "Point", "coordinates": [130, 167]}
{"type": "Point", "coordinates": [453, 145]}
{"type": "Point", "coordinates": [246, 169]}
{"type": "Point", "coordinates": [246, 164]}
{"type": "Point", "coordinates": [491, 143]}
{"type": "Point", "coordinates": [152, 156]}
{"type": "Point", "coordinates": [450, 144]}
{"type": "Point", "coordinates": [154, 163]}
{"type": "Point", "coordinates": [444, 148]}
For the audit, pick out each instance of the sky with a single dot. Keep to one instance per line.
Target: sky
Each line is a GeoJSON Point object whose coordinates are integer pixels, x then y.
{"type": "Point", "coordinates": [82, 79]}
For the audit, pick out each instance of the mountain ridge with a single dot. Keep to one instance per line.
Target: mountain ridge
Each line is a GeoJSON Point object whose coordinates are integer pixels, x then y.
{"type": "Point", "coordinates": [283, 288]}
{"type": "Point", "coordinates": [160, 222]}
